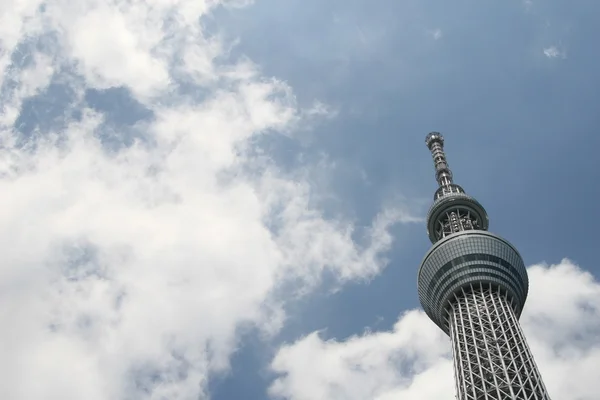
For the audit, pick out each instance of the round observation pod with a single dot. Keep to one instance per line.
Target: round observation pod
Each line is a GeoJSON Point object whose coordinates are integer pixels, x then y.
{"type": "Point", "coordinates": [464, 261]}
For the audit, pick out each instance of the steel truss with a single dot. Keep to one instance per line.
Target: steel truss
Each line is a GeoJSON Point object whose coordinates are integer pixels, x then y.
{"type": "Point", "coordinates": [454, 220]}
{"type": "Point", "coordinates": [491, 358]}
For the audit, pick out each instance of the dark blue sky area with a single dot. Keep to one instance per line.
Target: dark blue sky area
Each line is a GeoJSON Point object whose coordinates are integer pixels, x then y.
{"type": "Point", "coordinates": [521, 129]}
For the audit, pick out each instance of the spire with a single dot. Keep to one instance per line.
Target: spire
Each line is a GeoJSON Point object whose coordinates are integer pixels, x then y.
{"type": "Point", "coordinates": [453, 210]}
{"type": "Point", "coordinates": [443, 175]}
{"type": "Point", "coordinates": [435, 143]}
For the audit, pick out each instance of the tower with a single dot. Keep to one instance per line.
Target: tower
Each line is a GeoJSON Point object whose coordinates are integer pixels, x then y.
{"type": "Point", "coordinates": [473, 285]}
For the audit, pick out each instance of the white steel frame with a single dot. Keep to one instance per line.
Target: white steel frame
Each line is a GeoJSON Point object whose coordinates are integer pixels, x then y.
{"type": "Point", "coordinates": [492, 360]}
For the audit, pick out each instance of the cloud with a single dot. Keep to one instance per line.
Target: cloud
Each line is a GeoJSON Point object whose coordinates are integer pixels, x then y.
{"type": "Point", "coordinates": [129, 269]}
{"type": "Point", "coordinates": [554, 52]}
{"type": "Point", "coordinates": [436, 34]}
{"type": "Point", "coordinates": [413, 361]}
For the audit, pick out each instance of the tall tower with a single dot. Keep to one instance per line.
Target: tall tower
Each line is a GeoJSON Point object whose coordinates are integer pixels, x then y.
{"type": "Point", "coordinates": [473, 285]}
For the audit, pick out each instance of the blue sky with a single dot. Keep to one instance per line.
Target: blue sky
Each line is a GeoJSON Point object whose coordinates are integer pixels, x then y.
{"type": "Point", "coordinates": [520, 127]}
{"type": "Point", "coordinates": [238, 143]}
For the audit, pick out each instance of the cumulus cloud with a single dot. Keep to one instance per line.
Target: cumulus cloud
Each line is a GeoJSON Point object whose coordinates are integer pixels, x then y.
{"type": "Point", "coordinates": [128, 268]}
{"type": "Point", "coordinates": [413, 361]}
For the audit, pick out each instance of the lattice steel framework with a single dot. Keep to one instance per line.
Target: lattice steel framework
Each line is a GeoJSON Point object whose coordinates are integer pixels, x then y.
{"type": "Point", "coordinates": [473, 285]}
{"type": "Point", "coordinates": [491, 357]}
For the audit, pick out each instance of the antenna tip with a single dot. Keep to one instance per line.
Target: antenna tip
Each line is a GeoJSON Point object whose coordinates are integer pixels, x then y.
{"type": "Point", "coordinates": [433, 137]}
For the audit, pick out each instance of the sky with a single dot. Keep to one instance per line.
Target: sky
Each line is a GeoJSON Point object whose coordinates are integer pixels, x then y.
{"type": "Point", "coordinates": [225, 199]}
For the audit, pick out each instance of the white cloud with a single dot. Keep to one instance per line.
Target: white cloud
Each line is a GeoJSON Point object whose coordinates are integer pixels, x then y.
{"type": "Point", "coordinates": [436, 34]}
{"type": "Point", "coordinates": [554, 52]}
{"type": "Point", "coordinates": [127, 273]}
{"type": "Point", "coordinates": [413, 361]}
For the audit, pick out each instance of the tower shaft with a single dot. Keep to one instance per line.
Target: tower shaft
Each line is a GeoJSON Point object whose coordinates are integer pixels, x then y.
{"type": "Point", "coordinates": [491, 358]}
